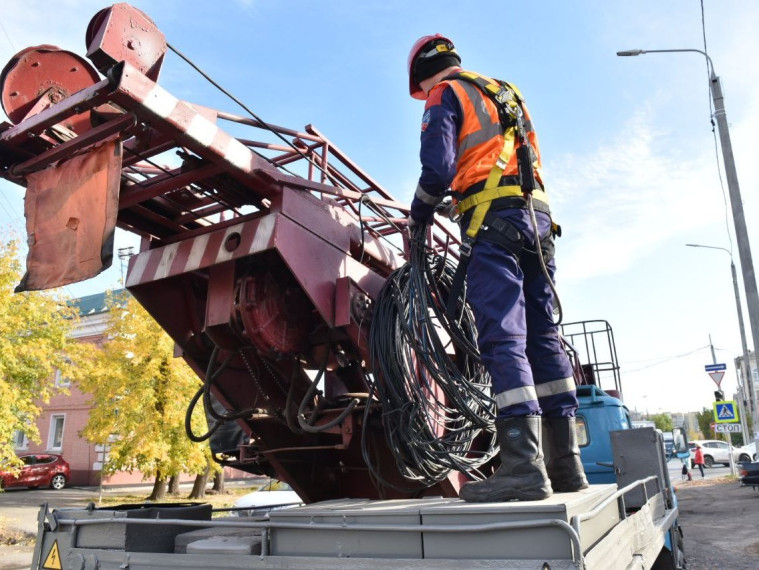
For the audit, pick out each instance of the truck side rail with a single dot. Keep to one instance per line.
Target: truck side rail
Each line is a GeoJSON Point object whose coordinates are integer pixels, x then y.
{"type": "Point", "coordinates": [267, 526]}
{"type": "Point", "coordinates": [619, 496]}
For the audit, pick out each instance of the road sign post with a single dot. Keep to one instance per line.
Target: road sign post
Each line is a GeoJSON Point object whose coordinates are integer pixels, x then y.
{"type": "Point", "coordinates": [728, 428]}
{"type": "Point", "coordinates": [716, 372]}
{"type": "Point", "coordinates": [725, 412]}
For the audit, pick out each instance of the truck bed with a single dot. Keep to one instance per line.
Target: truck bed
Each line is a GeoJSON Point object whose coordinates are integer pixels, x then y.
{"type": "Point", "coordinates": [587, 529]}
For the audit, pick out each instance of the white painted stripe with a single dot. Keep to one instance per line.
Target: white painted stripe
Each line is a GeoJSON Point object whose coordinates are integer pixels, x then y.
{"type": "Point", "coordinates": [196, 253]}
{"type": "Point", "coordinates": [263, 233]}
{"type": "Point", "coordinates": [203, 130]}
{"type": "Point", "coordinates": [223, 254]}
{"type": "Point", "coordinates": [516, 396]}
{"type": "Point", "coordinates": [140, 263]}
{"type": "Point", "coordinates": [238, 154]}
{"type": "Point", "coordinates": [168, 254]}
{"type": "Point", "coordinates": [554, 387]}
{"type": "Point", "coordinates": [160, 102]}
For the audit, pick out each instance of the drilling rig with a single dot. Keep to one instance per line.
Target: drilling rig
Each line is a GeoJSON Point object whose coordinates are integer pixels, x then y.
{"type": "Point", "coordinates": [264, 254]}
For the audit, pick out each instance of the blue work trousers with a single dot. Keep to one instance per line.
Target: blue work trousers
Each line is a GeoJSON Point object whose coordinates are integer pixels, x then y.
{"type": "Point", "coordinates": [513, 310]}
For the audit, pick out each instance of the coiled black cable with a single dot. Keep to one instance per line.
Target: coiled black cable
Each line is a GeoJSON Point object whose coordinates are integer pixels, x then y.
{"type": "Point", "coordinates": [434, 391]}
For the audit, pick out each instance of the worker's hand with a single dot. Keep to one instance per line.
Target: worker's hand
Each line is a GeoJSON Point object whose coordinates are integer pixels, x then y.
{"type": "Point", "coordinates": [414, 227]}
{"type": "Point", "coordinates": [448, 208]}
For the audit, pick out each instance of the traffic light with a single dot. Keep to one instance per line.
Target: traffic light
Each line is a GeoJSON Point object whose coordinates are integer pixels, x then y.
{"type": "Point", "coordinates": [719, 395]}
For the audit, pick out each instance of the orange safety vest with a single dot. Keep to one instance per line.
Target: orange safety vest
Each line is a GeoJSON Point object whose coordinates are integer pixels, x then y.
{"type": "Point", "coordinates": [481, 137]}
{"type": "Point", "coordinates": [481, 143]}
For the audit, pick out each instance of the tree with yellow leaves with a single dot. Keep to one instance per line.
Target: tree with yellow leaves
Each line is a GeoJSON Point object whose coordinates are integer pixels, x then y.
{"type": "Point", "coordinates": [35, 341]}
{"type": "Point", "coordinates": [140, 393]}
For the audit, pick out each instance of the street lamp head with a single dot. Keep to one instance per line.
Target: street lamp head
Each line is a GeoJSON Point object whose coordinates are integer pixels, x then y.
{"type": "Point", "coordinates": [710, 247]}
{"type": "Point", "coordinates": [630, 52]}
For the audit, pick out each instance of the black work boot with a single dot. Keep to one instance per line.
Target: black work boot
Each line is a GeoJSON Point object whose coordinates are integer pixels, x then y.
{"type": "Point", "coordinates": [564, 465]}
{"type": "Point", "coordinates": [522, 474]}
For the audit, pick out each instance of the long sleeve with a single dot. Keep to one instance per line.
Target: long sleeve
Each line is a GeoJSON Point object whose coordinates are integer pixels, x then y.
{"type": "Point", "coordinates": [439, 141]}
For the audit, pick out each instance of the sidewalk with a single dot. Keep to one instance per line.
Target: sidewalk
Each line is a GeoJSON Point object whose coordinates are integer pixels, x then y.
{"type": "Point", "coordinates": [19, 509]}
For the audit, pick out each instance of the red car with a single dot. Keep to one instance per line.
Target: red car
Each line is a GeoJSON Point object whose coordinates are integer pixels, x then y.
{"type": "Point", "coordinates": [40, 469]}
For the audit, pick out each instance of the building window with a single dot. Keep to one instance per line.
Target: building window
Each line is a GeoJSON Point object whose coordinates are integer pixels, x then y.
{"type": "Point", "coordinates": [61, 381]}
{"type": "Point", "coordinates": [55, 441]}
{"type": "Point", "coordinates": [19, 440]}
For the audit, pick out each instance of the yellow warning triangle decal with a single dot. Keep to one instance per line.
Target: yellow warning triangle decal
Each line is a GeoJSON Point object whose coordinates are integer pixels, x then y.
{"type": "Point", "coordinates": [53, 560]}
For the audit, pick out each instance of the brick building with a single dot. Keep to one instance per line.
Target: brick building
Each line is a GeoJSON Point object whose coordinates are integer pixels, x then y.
{"type": "Point", "coordinates": [63, 418]}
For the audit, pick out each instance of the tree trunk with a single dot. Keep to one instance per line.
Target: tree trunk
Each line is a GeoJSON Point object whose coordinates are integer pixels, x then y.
{"type": "Point", "coordinates": [159, 488]}
{"type": "Point", "coordinates": [218, 482]}
{"type": "Point", "coordinates": [199, 486]}
{"type": "Point", "coordinates": [174, 485]}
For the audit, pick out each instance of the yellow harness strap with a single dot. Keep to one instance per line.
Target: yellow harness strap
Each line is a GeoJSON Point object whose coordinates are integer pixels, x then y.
{"type": "Point", "coordinates": [491, 191]}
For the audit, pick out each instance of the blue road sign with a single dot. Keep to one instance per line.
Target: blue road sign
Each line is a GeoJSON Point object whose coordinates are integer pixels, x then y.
{"type": "Point", "coordinates": [724, 412]}
{"type": "Point", "coordinates": [715, 367]}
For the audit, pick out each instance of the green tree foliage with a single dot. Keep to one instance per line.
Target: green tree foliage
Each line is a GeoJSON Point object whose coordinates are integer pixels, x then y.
{"type": "Point", "coordinates": [139, 396]}
{"type": "Point", "coordinates": [704, 418]}
{"type": "Point", "coordinates": [662, 421]}
{"type": "Point", "coordinates": [35, 341]}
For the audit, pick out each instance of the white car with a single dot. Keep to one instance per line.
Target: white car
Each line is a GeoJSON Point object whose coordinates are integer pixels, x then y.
{"type": "Point", "coordinates": [264, 500]}
{"type": "Point", "coordinates": [716, 451]}
{"type": "Point", "coordinates": [750, 449]}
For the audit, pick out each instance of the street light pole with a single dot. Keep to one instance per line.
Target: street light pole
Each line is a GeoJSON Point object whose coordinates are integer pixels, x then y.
{"type": "Point", "coordinates": [739, 220]}
{"type": "Point", "coordinates": [747, 386]}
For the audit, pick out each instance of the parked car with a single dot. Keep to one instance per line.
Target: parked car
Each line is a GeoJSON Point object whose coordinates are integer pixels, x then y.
{"type": "Point", "coordinates": [751, 450]}
{"type": "Point", "coordinates": [39, 470]}
{"type": "Point", "coordinates": [749, 473]}
{"type": "Point", "coordinates": [267, 499]}
{"type": "Point", "coordinates": [716, 451]}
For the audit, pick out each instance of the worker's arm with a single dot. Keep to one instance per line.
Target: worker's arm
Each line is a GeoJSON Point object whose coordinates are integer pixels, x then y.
{"type": "Point", "coordinates": [439, 143]}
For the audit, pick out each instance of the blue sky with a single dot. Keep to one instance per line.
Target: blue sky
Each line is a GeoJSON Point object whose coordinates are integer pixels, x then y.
{"type": "Point", "coordinates": [628, 150]}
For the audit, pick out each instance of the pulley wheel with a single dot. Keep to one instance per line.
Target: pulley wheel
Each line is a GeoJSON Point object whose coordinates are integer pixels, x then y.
{"type": "Point", "coordinates": [274, 312]}
{"type": "Point", "coordinates": [124, 33]}
{"type": "Point", "coordinates": [45, 71]}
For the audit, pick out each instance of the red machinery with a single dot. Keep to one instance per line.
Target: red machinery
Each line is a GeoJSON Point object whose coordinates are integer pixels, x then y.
{"type": "Point", "coordinates": [260, 259]}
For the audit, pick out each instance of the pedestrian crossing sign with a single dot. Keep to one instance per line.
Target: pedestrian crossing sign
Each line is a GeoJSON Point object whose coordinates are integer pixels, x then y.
{"type": "Point", "coordinates": [724, 412]}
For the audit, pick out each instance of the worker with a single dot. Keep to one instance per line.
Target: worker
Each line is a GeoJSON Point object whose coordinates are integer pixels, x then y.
{"type": "Point", "coordinates": [465, 147]}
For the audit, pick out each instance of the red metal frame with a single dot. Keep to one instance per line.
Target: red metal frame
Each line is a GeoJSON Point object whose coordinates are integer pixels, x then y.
{"type": "Point", "coordinates": [226, 207]}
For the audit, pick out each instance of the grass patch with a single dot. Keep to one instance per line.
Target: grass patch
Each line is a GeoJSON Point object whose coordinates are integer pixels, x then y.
{"type": "Point", "coordinates": [216, 500]}
{"type": "Point", "coordinates": [15, 537]}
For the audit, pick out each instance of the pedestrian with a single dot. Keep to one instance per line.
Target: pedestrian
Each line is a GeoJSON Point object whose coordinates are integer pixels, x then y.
{"type": "Point", "coordinates": [470, 143]}
{"type": "Point", "coordinates": [698, 459]}
{"type": "Point", "coordinates": [686, 474]}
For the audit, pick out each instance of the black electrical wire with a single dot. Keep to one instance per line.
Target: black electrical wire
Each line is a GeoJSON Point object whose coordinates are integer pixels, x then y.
{"type": "Point", "coordinates": [427, 375]}
{"type": "Point", "coordinates": [559, 309]}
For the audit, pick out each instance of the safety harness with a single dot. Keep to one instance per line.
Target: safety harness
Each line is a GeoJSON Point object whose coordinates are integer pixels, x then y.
{"type": "Point", "coordinates": [514, 189]}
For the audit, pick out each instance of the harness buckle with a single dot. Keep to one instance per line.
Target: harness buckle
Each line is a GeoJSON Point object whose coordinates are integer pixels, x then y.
{"type": "Point", "coordinates": [465, 249]}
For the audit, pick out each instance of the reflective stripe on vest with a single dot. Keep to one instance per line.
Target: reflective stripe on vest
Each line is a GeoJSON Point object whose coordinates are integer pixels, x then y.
{"type": "Point", "coordinates": [485, 151]}
{"type": "Point", "coordinates": [481, 138]}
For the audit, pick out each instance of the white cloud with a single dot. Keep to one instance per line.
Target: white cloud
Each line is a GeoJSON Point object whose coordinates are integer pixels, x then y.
{"type": "Point", "coordinates": [630, 193]}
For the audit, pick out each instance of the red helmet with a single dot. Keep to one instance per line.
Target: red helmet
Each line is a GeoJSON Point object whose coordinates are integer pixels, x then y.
{"type": "Point", "coordinates": [418, 51]}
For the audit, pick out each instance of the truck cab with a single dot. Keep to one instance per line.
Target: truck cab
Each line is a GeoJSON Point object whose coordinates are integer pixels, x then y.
{"type": "Point", "coordinates": [598, 415]}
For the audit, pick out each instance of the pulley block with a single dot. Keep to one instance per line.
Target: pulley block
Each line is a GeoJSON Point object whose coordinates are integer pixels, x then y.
{"type": "Point", "coordinates": [124, 33]}
{"type": "Point", "coordinates": [40, 76]}
{"type": "Point", "coordinates": [274, 312]}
